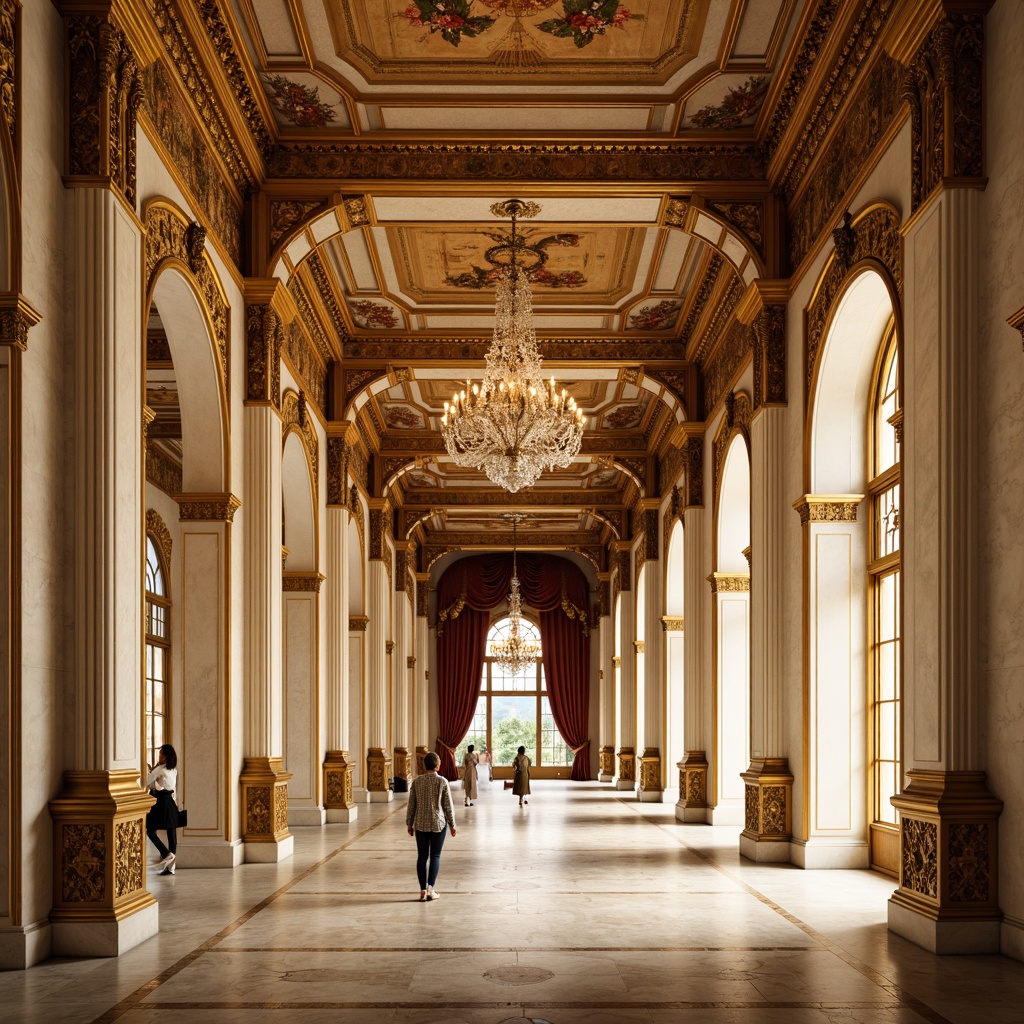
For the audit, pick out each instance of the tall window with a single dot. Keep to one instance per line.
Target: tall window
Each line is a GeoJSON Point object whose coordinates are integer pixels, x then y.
{"type": "Point", "coordinates": [884, 571]}
{"type": "Point", "coordinates": [157, 652]}
{"type": "Point", "coordinates": [514, 711]}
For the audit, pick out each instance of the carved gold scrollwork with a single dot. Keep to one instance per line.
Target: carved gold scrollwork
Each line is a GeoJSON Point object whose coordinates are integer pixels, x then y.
{"type": "Point", "coordinates": [258, 810]}
{"type": "Point", "coordinates": [8, 69]}
{"type": "Point", "coordinates": [293, 418]}
{"type": "Point", "coordinates": [157, 529]}
{"type": "Point", "coordinates": [919, 856]}
{"type": "Point", "coordinates": [83, 863]}
{"type": "Point", "coordinates": [969, 863]}
{"type": "Point", "coordinates": [129, 857]}
{"type": "Point", "coordinates": [263, 330]}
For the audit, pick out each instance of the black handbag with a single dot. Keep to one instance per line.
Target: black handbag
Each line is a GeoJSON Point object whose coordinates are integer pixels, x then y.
{"type": "Point", "coordinates": [182, 818]}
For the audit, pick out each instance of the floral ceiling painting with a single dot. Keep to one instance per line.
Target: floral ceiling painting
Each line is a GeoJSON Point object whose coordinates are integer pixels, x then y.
{"type": "Point", "coordinates": [518, 35]}
{"type": "Point", "coordinates": [657, 317]}
{"type": "Point", "coordinates": [402, 417]}
{"type": "Point", "coordinates": [374, 315]}
{"type": "Point", "coordinates": [738, 108]}
{"type": "Point", "coordinates": [298, 103]}
{"type": "Point", "coordinates": [624, 417]}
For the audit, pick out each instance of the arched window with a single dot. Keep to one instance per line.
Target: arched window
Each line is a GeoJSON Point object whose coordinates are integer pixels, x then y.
{"type": "Point", "coordinates": [158, 653]}
{"type": "Point", "coordinates": [514, 711]}
{"type": "Point", "coordinates": [884, 575]}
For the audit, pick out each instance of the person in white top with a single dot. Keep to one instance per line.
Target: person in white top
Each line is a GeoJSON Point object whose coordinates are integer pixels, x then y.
{"type": "Point", "coordinates": [161, 782]}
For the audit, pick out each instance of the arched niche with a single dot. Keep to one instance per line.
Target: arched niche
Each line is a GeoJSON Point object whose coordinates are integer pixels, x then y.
{"type": "Point", "coordinates": [299, 515]}
{"type": "Point", "coordinates": [733, 534]}
{"type": "Point", "coordinates": [204, 418]}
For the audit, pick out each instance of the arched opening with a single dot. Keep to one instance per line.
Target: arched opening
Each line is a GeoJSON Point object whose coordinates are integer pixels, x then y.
{"type": "Point", "coordinates": [841, 627]}
{"type": "Point", "coordinates": [357, 651]}
{"type": "Point", "coordinates": [732, 635]}
{"type": "Point", "coordinates": [158, 652]}
{"type": "Point", "coordinates": [674, 623]}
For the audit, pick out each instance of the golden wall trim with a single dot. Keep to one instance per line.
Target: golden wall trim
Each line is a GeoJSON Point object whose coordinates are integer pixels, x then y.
{"type": "Point", "coordinates": [213, 507]}
{"type": "Point", "coordinates": [157, 529]}
{"type": "Point", "coordinates": [672, 624]}
{"type": "Point", "coordinates": [17, 316]}
{"type": "Point", "coordinates": [302, 582]}
{"type": "Point", "coordinates": [729, 582]}
{"type": "Point", "coordinates": [358, 623]}
{"type": "Point", "coordinates": [828, 508]}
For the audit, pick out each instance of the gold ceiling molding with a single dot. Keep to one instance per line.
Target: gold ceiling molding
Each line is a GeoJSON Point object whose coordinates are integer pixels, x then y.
{"type": "Point", "coordinates": [827, 508]}
{"type": "Point", "coordinates": [708, 279]}
{"type": "Point", "coordinates": [667, 162]}
{"type": "Point", "coordinates": [723, 368]}
{"type": "Point", "coordinates": [462, 349]}
{"type": "Point", "coordinates": [300, 354]}
{"type": "Point", "coordinates": [725, 302]}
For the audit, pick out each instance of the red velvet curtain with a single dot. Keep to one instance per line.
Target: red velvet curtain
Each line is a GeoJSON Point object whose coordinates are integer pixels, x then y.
{"type": "Point", "coordinates": [467, 591]}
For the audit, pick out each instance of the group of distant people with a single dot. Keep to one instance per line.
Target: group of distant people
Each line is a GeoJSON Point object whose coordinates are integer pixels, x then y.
{"type": "Point", "coordinates": [430, 813]}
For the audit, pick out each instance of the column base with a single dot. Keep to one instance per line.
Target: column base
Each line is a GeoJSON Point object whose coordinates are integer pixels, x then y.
{"type": "Point", "coordinates": [605, 777]}
{"type": "Point", "coordinates": [816, 854]}
{"type": "Point", "coordinates": [421, 752]}
{"type": "Point", "coordinates": [767, 811]}
{"type": "Point", "coordinates": [1011, 938]}
{"type": "Point", "coordinates": [197, 854]}
{"type": "Point", "coordinates": [693, 787]}
{"type": "Point", "coordinates": [338, 793]}
{"type": "Point", "coordinates": [402, 769]}
{"type": "Point", "coordinates": [269, 853]}
{"type": "Point", "coordinates": [649, 788]}
{"type": "Point", "coordinates": [691, 815]}
{"type": "Point", "coordinates": [606, 764]}
{"type": "Point", "coordinates": [626, 778]}
{"type": "Point", "coordinates": [375, 796]}
{"type": "Point", "coordinates": [305, 817]}
{"type": "Point", "coordinates": [104, 938]}
{"type": "Point", "coordinates": [264, 785]}
{"type": "Point", "coordinates": [378, 773]}
{"type": "Point", "coordinates": [342, 814]}
{"type": "Point", "coordinates": [726, 812]}
{"type": "Point", "coordinates": [99, 865]}
{"type": "Point", "coordinates": [24, 946]}
{"type": "Point", "coordinates": [948, 899]}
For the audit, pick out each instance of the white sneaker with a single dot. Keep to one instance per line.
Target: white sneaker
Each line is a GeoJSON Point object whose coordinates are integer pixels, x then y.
{"type": "Point", "coordinates": [431, 895]}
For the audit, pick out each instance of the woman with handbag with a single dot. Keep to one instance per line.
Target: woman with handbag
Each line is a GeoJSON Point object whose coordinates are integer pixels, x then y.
{"type": "Point", "coordinates": [161, 781]}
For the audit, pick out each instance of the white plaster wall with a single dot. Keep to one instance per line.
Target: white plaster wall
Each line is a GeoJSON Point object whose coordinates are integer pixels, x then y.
{"type": "Point", "coordinates": [1001, 467]}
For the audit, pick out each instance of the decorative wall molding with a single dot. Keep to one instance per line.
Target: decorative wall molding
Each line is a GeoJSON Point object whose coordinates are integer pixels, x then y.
{"type": "Point", "coordinates": [828, 508]}
{"type": "Point", "coordinates": [264, 336]}
{"type": "Point", "coordinates": [738, 412]}
{"type": "Point", "coordinates": [672, 624]}
{"type": "Point", "coordinates": [17, 317]}
{"type": "Point", "coordinates": [295, 420]}
{"type": "Point", "coordinates": [302, 582]}
{"type": "Point", "coordinates": [207, 507]}
{"type": "Point", "coordinates": [770, 357]}
{"type": "Point", "coordinates": [358, 623]}
{"type": "Point", "coordinates": [9, 68]}
{"type": "Point", "coordinates": [157, 529]}
{"type": "Point", "coordinates": [729, 582]}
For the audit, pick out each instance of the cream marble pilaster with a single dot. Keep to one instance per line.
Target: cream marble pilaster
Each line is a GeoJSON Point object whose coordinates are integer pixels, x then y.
{"type": "Point", "coordinates": [264, 780]}
{"type": "Point", "coordinates": [378, 746]}
{"type": "Point", "coordinates": [651, 773]}
{"type": "Point", "coordinates": [626, 679]}
{"type": "Point", "coordinates": [207, 778]}
{"type": "Point", "coordinates": [402, 666]}
{"type": "Point", "coordinates": [100, 899]}
{"type": "Point", "coordinates": [948, 899]}
{"type": "Point", "coordinates": [606, 677]}
{"type": "Point", "coordinates": [769, 784]}
{"type": "Point", "coordinates": [421, 674]}
{"type": "Point", "coordinates": [675, 654]}
{"type": "Point", "coordinates": [338, 798]}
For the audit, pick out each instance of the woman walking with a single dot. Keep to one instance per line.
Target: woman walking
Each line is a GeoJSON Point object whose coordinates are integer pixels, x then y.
{"type": "Point", "coordinates": [521, 784]}
{"type": "Point", "coordinates": [469, 763]}
{"type": "Point", "coordinates": [161, 781]}
{"type": "Point", "coordinates": [428, 812]}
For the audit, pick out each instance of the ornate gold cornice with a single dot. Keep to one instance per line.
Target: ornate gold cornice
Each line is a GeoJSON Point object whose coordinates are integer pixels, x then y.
{"type": "Point", "coordinates": [268, 308]}
{"type": "Point", "coordinates": [638, 646]}
{"type": "Point", "coordinates": [212, 507]}
{"type": "Point", "coordinates": [828, 508]}
{"type": "Point", "coordinates": [358, 623]}
{"type": "Point", "coordinates": [669, 162]}
{"type": "Point", "coordinates": [17, 316]}
{"type": "Point", "coordinates": [672, 624]}
{"type": "Point", "coordinates": [302, 582]}
{"type": "Point", "coordinates": [729, 582]}
{"type": "Point", "coordinates": [461, 349]}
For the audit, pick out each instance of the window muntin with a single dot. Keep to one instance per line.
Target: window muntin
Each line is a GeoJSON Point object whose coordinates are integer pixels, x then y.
{"type": "Point", "coordinates": [158, 652]}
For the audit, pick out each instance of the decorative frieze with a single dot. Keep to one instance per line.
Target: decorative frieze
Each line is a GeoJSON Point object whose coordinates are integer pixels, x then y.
{"type": "Point", "coordinates": [210, 507]}
{"type": "Point", "coordinates": [337, 471]}
{"type": "Point", "coordinates": [16, 318]}
{"type": "Point", "coordinates": [693, 454]}
{"type": "Point", "coordinates": [770, 356]}
{"type": "Point", "coordinates": [828, 508]}
{"type": "Point", "coordinates": [302, 582]}
{"type": "Point", "coordinates": [358, 623]}
{"type": "Point", "coordinates": [671, 624]}
{"type": "Point", "coordinates": [729, 582]}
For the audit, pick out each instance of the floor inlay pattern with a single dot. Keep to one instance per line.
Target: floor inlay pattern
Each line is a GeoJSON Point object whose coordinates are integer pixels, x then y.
{"type": "Point", "coordinates": [587, 906]}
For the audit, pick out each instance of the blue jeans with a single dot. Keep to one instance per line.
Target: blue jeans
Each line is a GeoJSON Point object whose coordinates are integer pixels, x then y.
{"type": "Point", "coordinates": [428, 849]}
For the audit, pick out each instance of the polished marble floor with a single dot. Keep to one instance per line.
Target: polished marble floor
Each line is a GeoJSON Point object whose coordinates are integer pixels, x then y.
{"type": "Point", "coordinates": [584, 906]}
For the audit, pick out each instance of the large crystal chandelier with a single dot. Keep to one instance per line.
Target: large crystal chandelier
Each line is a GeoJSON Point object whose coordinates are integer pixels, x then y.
{"type": "Point", "coordinates": [514, 653]}
{"type": "Point", "coordinates": [513, 425]}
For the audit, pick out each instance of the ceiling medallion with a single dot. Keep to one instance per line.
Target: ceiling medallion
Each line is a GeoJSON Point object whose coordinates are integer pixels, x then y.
{"type": "Point", "coordinates": [515, 653]}
{"type": "Point", "coordinates": [513, 426]}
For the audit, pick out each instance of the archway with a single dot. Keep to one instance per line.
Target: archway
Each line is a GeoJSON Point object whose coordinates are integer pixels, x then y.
{"type": "Point", "coordinates": [675, 639]}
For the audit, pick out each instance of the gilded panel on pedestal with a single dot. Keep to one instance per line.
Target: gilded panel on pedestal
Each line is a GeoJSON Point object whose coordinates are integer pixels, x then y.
{"type": "Point", "coordinates": [83, 864]}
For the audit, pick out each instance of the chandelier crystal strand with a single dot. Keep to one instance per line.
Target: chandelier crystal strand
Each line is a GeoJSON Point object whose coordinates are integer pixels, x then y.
{"type": "Point", "coordinates": [515, 653]}
{"type": "Point", "coordinates": [513, 425]}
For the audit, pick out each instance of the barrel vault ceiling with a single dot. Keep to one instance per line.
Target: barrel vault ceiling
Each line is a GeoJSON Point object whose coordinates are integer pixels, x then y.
{"type": "Point", "coordinates": [660, 139]}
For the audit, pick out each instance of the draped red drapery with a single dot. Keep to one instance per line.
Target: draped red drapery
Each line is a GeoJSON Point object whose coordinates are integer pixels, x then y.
{"type": "Point", "coordinates": [558, 590]}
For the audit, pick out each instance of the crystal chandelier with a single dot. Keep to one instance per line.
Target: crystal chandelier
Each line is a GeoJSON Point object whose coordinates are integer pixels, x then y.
{"type": "Point", "coordinates": [514, 653]}
{"type": "Point", "coordinates": [513, 425]}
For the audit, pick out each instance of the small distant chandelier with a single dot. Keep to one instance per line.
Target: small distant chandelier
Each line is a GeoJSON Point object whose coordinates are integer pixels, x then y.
{"type": "Point", "coordinates": [513, 425]}
{"type": "Point", "coordinates": [514, 653]}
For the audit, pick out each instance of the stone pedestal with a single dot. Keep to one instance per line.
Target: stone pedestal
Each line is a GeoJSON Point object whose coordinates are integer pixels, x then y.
{"type": "Point", "coordinates": [421, 752]}
{"type": "Point", "coordinates": [948, 899]}
{"type": "Point", "coordinates": [693, 787]}
{"type": "Point", "coordinates": [378, 776]}
{"type": "Point", "coordinates": [100, 903]}
{"type": "Point", "coordinates": [402, 770]}
{"type": "Point", "coordinates": [265, 810]}
{"type": "Point", "coordinates": [338, 799]}
{"type": "Point", "coordinates": [627, 769]}
{"type": "Point", "coordinates": [649, 788]}
{"type": "Point", "coordinates": [606, 764]}
{"type": "Point", "coordinates": [768, 811]}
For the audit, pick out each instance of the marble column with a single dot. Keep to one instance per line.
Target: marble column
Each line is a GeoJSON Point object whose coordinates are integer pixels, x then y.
{"type": "Point", "coordinates": [626, 680]}
{"type": "Point", "coordinates": [768, 782]}
{"type": "Point", "coordinates": [378, 629]}
{"type": "Point", "coordinates": [606, 677]}
{"type": "Point", "coordinates": [948, 899]}
{"type": "Point", "coordinates": [421, 673]}
{"type": "Point", "coordinates": [651, 774]}
{"type": "Point", "coordinates": [402, 664]}
{"type": "Point", "coordinates": [100, 902]}
{"type": "Point", "coordinates": [693, 769]}
{"type": "Point", "coordinates": [339, 803]}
